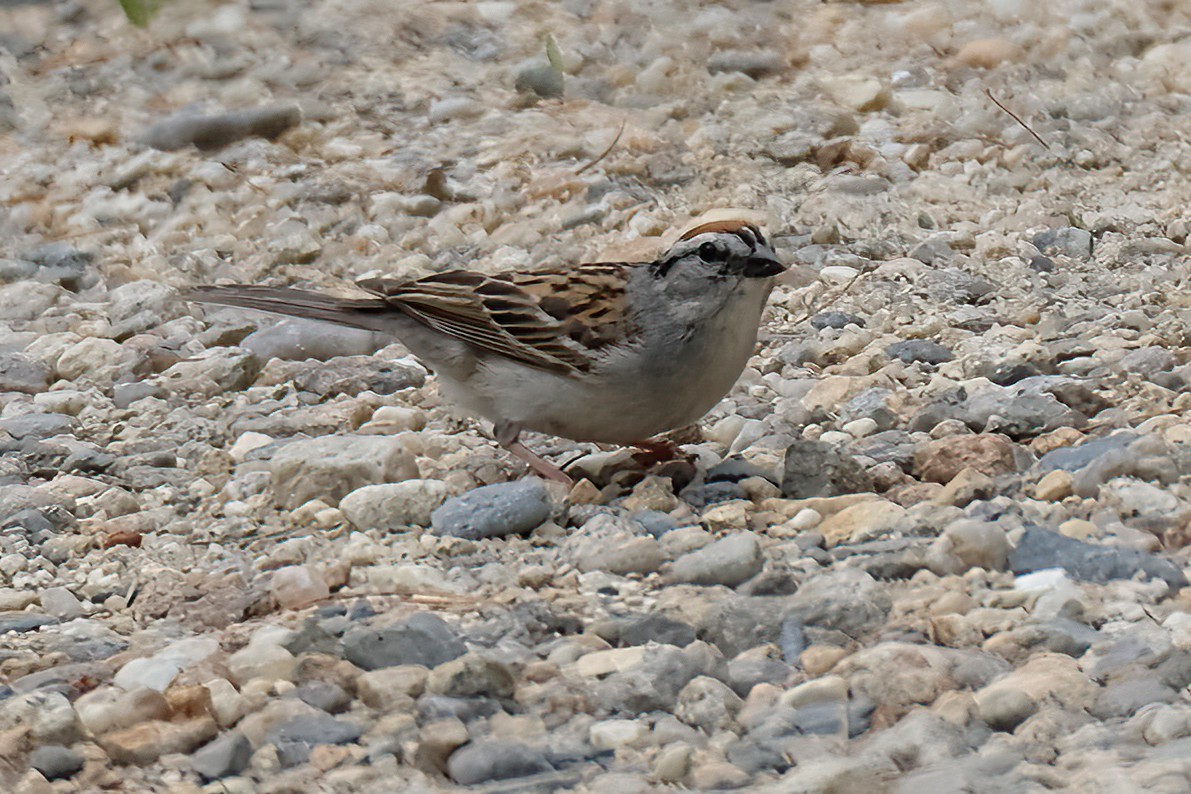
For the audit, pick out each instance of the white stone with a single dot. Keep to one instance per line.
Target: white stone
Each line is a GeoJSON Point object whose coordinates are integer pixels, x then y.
{"type": "Point", "coordinates": [394, 506]}
{"type": "Point", "coordinates": [1045, 579]}
{"type": "Point", "coordinates": [859, 428]}
{"type": "Point", "coordinates": [261, 660]}
{"type": "Point", "coordinates": [828, 689]}
{"type": "Point", "coordinates": [158, 671]}
{"type": "Point", "coordinates": [616, 660]}
{"type": "Point", "coordinates": [226, 702]}
{"type": "Point", "coordinates": [246, 443]}
{"type": "Point", "coordinates": [410, 579]}
{"type": "Point", "coordinates": [611, 734]}
{"type": "Point", "coordinates": [838, 274]}
{"type": "Point", "coordinates": [297, 586]}
{"type": "Point", "coordinates": [806, 518]}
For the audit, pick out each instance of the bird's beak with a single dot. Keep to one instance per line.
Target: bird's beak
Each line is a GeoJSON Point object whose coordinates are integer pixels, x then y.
{"type": "Point", "coordinates": [763, 263]}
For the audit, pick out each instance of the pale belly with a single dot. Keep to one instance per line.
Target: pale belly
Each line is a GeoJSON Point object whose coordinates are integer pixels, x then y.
{"type": "Point", "coordinates": [631, 400]}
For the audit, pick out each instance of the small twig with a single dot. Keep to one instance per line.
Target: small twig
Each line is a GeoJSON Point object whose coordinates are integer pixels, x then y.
{"type": "Point", "coordinates": [1017, 118]}
{"type": "Point", "coordinates": [607, 151]}
{"type": "Point", "coordinates": [824, 301]}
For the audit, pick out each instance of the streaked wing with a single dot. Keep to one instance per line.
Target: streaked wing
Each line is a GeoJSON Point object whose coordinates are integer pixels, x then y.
{"type": "Point", "coordinates": [556, 321]}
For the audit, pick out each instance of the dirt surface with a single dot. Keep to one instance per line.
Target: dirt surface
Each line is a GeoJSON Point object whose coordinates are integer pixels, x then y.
{"type": "Point", "coordinates": [934, 540]}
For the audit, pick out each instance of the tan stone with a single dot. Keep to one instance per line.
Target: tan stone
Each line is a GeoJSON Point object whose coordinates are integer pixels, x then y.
{"type": "Point", "coordinates": [145, 743]}
{"type": "Point", "coordinates": [390, 687]}
{"type": "Point", "coordinates": [987, 53]}
{"type": "Point", "coordinates": [966, 487]}
{"type": "Point", "coordinates": [1055, 486]}
{"type": "Point", "coordinates": [652, 493]}
{"type": "Point", "coordinates": [942, 459]}
{"type": "Point", "coordinates": [436, 741]}
{"type": "Point", "coordinates": [857, 91]}
{"type": "Point", "coordinates": [861, 522]}
{"type": "Point", "coordinates": [819, 659]}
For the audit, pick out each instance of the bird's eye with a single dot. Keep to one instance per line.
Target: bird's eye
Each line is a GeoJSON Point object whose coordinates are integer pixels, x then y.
{"type": "Point", "coordinates": [710, 252]}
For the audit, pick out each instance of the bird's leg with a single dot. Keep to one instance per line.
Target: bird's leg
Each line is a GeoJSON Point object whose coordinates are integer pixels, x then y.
{"type": "Point", "coordinates": [506, 435]}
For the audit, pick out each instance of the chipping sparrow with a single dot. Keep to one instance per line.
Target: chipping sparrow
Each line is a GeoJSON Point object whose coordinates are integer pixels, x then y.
{"type": "Point", "coordinates": [614, 353]}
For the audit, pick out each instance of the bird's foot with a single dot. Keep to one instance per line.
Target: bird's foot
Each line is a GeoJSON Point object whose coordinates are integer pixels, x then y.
{"type": "Point", "coordinates": [655, 452]}
{"type": "Point", "coordinates": [540, 465]}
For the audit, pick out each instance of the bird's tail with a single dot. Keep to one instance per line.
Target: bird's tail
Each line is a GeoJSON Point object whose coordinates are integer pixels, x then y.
{"type": "Point", "coordinates": [371, 314]}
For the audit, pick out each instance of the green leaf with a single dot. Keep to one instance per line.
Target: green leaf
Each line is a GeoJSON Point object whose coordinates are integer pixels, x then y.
{"type": "Point", "coordinates": [553, 54]}
{"type": "Point", "coordinates": [139, 12]}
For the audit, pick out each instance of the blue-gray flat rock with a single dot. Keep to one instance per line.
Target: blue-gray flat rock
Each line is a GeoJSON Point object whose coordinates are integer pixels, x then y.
{"type": "Point", "coordinates": [493, 511]}
{"type": "Point", "coordinates": [1040, 548]}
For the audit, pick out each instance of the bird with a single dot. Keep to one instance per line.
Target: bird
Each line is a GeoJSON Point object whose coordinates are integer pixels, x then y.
{"type": "Point", "coordinates": [608, 352]}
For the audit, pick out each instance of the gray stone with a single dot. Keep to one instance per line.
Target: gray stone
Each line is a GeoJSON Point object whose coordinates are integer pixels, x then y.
{"type": "Point", "coordinates": [297, 737]}
{"type": "Point", "coordinates": [922, 351]}
{"type": "Point", "coordinates": [1123, 454]}
{"type": "Point", "coordinates": [422, 638]}
{"type": "Point", "coordinates": [847, 601]}
{"type": "Point", "coordinates": [323, 695]}
{"type": "Point", "coordinates": [792, 638]}
{"type": "Point", "coordinates": [16, 269]}
{"type": "Point", "coordinates": [1068, 241]}
{"type": "Point", "coordinates": [48, 715]}
{"type": "Point", "coordinates": [834, 318]}
{"type": "Point", "coordinates": [656, 628]}
{"type": "Point", "coordinates": [952, 285]}
{"type": "Point", "coordinates": [708, 704]}
{"type": "Point", "coordinates": [27, 300]}
{"type": "Point", "coordinates": [1039, 549]}
{"type": "Point", "coordinates": [1003, 708]}
{"type": "Point", "coordinates": [225, 756]}
{"type": "Point", "coordinates": [34, 425]}
{"type": "Point", "coordinates": [216, 131]}
{"type": "Point", "coordinates": [1063, 635]}
{"type": "Point", "coordinates": [654, 522]}
{"type": "Point", "coordinates": [748, 670]}
{"type": "Point", "coordinates": [729, 561]}
{"type": "Point", "coordinates": [607, 543]}
{"type": "Point", "coordinates": [1147, 361]}
{"type": "Point", "coordinates": [1073, 459]}
{"type": "Point", "coordinates": [493, 511]}
{"type": "Point", "coordinates": [300, 340]}
{"type": "Point", "coordinates": [889, 446]}
{"type": "Point", "coordinates": [813, 468]}
{"type": "Point", "coordinates": [83, 640]}
{"type": "Point", "coordinates": [472, 675]}
{"type": "Point", "coordinates": [753, 62]}
{"type": "Point", "coordinates": [1125, 697]}
{"type": "Point", "coordinates": [481, 761]}
{"type": "Point", "coordinates": [136, 297]}
{"type": "Point", "coordinates": [541, 79]}
{"type": "Point", "coordinates": [125, 394]}
{"type": "Point", "coordinates": [935, 250]}
{"type": "Point", "coordinates": [330, 467]}
{"type": "Point", "coordinates": [55, 761]}
{"type": "Point", "coordinates": [21, 373]}
{"type": "Point", "coordinates": [61, 603]}
{"type": "Point", "coordinates": [875, 404]}
{"type": "Point", "coordinates": [1023, 410]}
{"type": "Point", "coordinates": [17, 621]}
{"type": "Point", "coordinates": [358, 373]}
{"type": "Point", "coordinates": [969, 543]}
{"type": "Point", "coordinates": [655, 683]}
{"type": "Point", "coordinates": [732, 622]}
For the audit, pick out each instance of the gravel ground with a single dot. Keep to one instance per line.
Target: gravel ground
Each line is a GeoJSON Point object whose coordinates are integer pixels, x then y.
{"type": "Point", "coordinates": [933, 541]}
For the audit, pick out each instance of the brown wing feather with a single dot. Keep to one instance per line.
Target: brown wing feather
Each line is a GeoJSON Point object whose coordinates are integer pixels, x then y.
{"type": "Point", "coordinates": [553, 321]}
